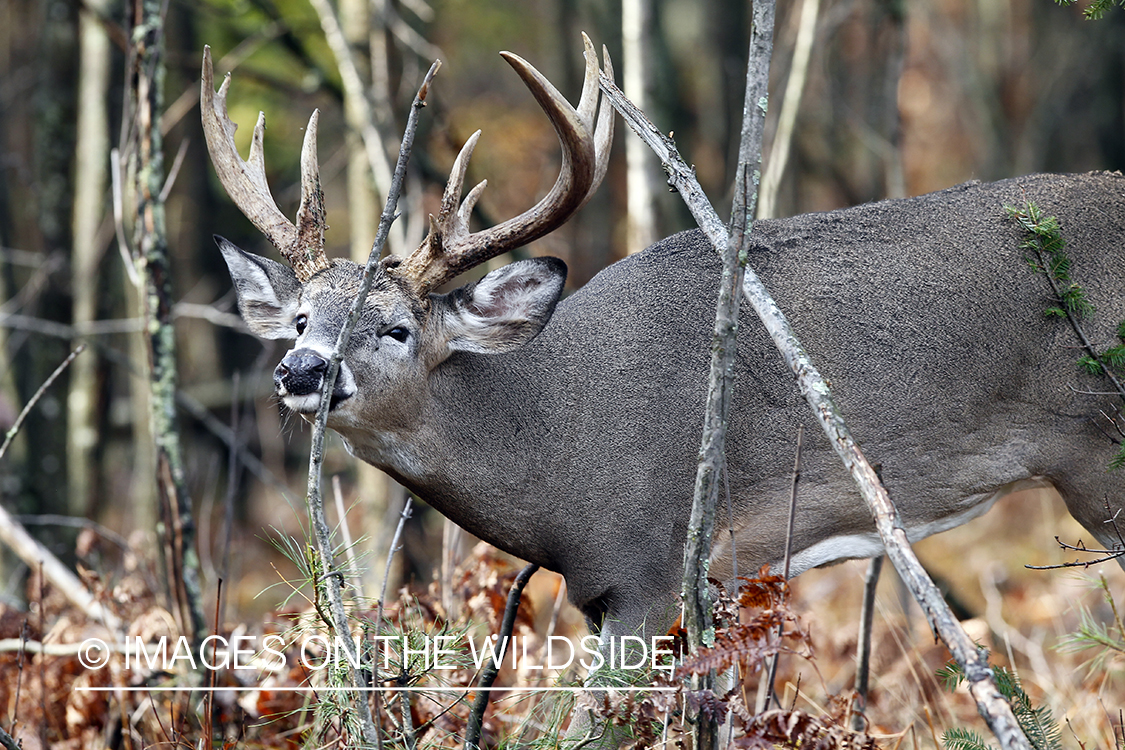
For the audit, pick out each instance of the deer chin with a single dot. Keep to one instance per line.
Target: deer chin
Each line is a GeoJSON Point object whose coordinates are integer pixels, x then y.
{"type": "Point", "coordinates": [308, 403]}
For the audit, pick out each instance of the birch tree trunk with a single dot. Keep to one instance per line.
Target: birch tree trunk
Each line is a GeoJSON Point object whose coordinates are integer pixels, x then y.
{"type": "Point", "coordinates": [90, 180]}
{"type": "Point", "coordinates": [636, 35]}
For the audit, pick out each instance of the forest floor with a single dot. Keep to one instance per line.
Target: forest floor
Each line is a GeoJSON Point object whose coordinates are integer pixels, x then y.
{"type": "Point", "coordinates": [1022, 616]}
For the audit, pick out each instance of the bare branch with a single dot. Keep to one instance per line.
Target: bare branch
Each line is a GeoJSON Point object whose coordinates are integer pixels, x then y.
{"type": "Point", "coordinates": [115, 168]}
{"type": "Point", "coordinates": [480, 705]}
{"type": "Point", "coordinates": [374, 142]}
{"type": "Point", "coordinates": [15, 428]}
{"type": "Point", "coordinates": [174, 172]}
{"type": "Point", "coordinates": [794, 88]}
{"type": "Point", "coordinates": [36, 556]}
{"type": "Point", "coordinates": [183, 400]}
{"type": "Point", "coordinates": [314, 500]}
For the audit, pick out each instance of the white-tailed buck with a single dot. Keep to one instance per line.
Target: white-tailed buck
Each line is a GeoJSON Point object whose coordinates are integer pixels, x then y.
{"type": "Point", "coordinates": [567, 432]}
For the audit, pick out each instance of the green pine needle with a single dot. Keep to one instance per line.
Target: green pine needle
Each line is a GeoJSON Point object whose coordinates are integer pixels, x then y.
{"type": "Point", "coordinates": [1118, 459]}
{"type": "Point", "coordinates": [1037, 722]}
{"type": "Point", "coordinates": [959, 738]}
{"type": "Point", "coordinates": [1097, 9]}
{"type": "Point", "coordinates": [1114, 356]}
{"type": "Point", "coordinates": [1090, 365]}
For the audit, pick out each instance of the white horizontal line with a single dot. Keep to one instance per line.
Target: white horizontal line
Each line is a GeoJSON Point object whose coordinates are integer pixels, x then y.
{"type": "Point", "coordinates": [366, 689]}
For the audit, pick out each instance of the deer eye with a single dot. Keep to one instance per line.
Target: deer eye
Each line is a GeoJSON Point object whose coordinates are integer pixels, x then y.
{"type": "Point", "coordinates": [398, 333]}
{"type": "Point", "coordinates": [300, 322]}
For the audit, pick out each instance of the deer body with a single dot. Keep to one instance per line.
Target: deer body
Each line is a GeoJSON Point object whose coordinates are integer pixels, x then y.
{"type": "Point", "coordinates": [577, 450]}
{"type": "Point", "coordinates": [569, 436]}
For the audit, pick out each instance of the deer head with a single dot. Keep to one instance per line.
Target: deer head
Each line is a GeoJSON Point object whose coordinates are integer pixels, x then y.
{"type": "Point", "coordinates": [406, 329]}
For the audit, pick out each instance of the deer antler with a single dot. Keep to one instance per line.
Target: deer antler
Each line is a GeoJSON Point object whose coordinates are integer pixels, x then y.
{"type": "Point", "coordinates": [302, 245]}
{"type": "Point", "coordinates": [450, 249]}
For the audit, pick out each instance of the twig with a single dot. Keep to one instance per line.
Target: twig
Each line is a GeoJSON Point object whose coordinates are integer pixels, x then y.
{"type": "Point", "coordinates": [15, 428]}
{"type": "Point", "coordinates": [7, 741]}
{"type": "Point", "coordinates": [315, 504]}
{"type": "Point", "coordinates": [54, 519]}
{"type": "Point", "coordinates": [349, 545]}
{"type": "Point", "coordinates": [730, 529]}
{"type": "Point", "coordinates": [186, 402]}
{"type": "Point", "coordinates": [178, 162]}
{"type": "Point", "coordinates": [480, 705]}
{"type": "Point", "coordinates": [863, 648]}
{"type": "Point", "coordinates": [796, 478]}
{"type": "Point", "coordinates": [355, 92]}
{"type": "Point", "coordinates": [1107, 554]}
{"type": "Point", "coordinates": [1029, 218]}
{"type": "Point", "coordinates": [118, 325]}
{"type": "Point", "coordinates": [696, 591]}
{"type": "Point", "coordinates": [407, 509]}
{"type": "Point", "coordinates": [990, 703]}
{"type": "Point", "coordinates": [119, 217]}
{"type": "Point", "coordinates": [409, 735]}
{"type": "Point", "coordinates": [793, 502]}
{"type": "Point", "coordinates": [403, 516]}
{"type": "Point", "coordinates": [450, 544]}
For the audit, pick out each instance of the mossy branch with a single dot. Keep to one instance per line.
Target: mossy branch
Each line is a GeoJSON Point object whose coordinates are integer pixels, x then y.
{"type": "Point", "coordinates": [150, 256]}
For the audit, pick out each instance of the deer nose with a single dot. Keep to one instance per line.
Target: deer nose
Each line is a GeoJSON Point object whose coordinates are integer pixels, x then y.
{"type": "Point", "coordinates": [300, 373]}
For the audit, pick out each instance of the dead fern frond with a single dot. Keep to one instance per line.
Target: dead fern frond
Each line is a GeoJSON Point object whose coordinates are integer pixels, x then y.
{"type": "Point", "coordinates": [746, 643]}
{"type": "Point", "coordinates": [764, 592]}
{"type": "Point", "coordinates": [641, 713]}
{"type": "Point", "coordinates": [724, 609]}
{"type": "Point", "coordinates": [799, 729]}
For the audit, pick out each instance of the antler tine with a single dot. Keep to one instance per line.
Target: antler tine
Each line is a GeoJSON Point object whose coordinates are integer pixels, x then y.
{"type": "Point", "coordinates": [450, 249]}
{"type": "Point", "coordinates": [603, 133]}
{"type": "Point", "coordinates": [454, 219]}
{"type": "Point", "coordinates": [307, 254]}
{"type": "Point", "coordinates": [245, 181]}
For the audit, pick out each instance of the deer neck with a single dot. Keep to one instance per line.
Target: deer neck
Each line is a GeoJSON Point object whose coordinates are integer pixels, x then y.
{"type": "Point", "coordinates": [468, 453]}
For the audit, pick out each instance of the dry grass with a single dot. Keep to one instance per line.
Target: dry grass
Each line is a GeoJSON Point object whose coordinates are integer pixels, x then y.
{"type": "Point", "coordinates": [1019, 614]}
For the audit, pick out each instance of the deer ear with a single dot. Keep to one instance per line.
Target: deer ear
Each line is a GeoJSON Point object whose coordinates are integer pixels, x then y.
{"type": "Point", "coordinates": [505, 309]}
{"type": "Point", "coordinates": [268, 292]}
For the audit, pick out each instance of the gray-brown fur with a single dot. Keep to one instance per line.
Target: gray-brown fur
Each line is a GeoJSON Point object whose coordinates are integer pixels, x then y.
{"type": "Point", "coordinates": [577, 450]}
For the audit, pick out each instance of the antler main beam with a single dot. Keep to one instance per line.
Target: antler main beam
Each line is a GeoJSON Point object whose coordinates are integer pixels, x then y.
{"type": "Point", "coordinates": [450, 249]}
{"type": "Point", "coordinates": [302, 245]}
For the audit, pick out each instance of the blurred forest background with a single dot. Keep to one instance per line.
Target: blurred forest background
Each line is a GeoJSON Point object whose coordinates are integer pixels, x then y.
{"type": "Point", "coordinates": [895, 99]}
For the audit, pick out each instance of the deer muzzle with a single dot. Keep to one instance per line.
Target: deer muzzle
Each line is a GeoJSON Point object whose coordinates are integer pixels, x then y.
{"type": "Point", "coordinates": [299, 378]}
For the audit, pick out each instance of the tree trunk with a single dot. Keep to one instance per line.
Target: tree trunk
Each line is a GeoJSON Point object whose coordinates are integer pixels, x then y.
{"type": "Point", "coordinates": [90, 180]}
{"type": "Point", "coordinates": [151, 254]}
{"type": "Point", "coordinates": [636, 34]}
